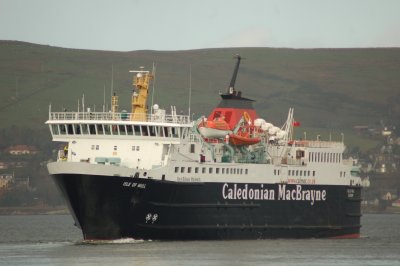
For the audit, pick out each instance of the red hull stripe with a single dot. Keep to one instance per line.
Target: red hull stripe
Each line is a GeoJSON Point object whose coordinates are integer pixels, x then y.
{"type": "Point", "coordinates": [349, 236]}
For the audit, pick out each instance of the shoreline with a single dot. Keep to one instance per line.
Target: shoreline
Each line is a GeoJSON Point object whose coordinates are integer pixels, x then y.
{"type": "Point", "coordinates": [34, 210]}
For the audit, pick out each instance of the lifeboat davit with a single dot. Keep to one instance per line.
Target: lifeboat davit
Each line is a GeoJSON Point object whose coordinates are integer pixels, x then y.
{"type": "Point", "coordinates": [214, 129]}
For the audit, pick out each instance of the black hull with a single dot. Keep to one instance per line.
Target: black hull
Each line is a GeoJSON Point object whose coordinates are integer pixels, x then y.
{"type": "Point", "coordinates": [112, 207]}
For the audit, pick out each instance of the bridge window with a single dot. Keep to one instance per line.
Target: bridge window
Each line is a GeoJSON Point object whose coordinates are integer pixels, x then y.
{"type": "Point", "coordinates": [137, 130]}
{"type": "Point", "coordinates": [70, 129]}
{"type": "Point", "coordinates": [54, 129]}
{"type": "Point", "coordinates": [175, 132]}
{"type": "Point", "coordinates": [165, 130]}
{"type": "Point", "coordinates": [158, 131]}
{"type": "Point", "coordinates": [63, 129]}
{"type": "Point", "coordinates": [77, 129]}
{"type": "Point", "coordinates": [129, 130]}
{"type": "Point", "coordinates": [100, 130]}
{"type": "Point", "coordinates": [92, 129]}
{"type": "Point", "coordinates": [152, 131]}
{"type": "Point", "coordinates": [145, 130]}
{"type": "Point", "coordinates": [122, 129]}
{"type": "Point", "coordinates": [107, 129]}
{"type": "Point", "coordinates": [85, 129]}
{"type": "Point", "coordinates": [114, 129]}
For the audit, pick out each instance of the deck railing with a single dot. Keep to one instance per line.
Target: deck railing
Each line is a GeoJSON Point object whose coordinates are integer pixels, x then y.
{"type": "Point", "coordinates": [108, 116]}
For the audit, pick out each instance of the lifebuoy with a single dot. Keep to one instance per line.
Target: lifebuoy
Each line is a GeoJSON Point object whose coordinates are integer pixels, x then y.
{"type": "Point", "coordinates": [247, 118]}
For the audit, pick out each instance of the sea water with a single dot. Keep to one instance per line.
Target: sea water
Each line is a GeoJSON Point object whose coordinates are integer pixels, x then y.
{"type": "Point", "coordinates": [54, 240]}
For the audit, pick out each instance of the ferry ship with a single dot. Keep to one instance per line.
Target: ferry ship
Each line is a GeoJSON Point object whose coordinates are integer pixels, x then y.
{"type": "Point", "coordinates": [149, 174]}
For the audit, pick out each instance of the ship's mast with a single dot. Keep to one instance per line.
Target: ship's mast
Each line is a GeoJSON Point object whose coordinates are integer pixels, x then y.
{"type": "Point", "coordinates": [231, 89]}
{"type": "Point", "coordinates": [139, 96]}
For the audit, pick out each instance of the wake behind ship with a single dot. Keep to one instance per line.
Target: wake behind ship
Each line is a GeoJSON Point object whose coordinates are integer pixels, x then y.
{"type": "Point", "coordinates": [232, 175]}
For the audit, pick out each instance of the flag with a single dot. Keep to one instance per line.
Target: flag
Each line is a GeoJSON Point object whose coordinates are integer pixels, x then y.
{"type": "Point", "coordinates": [296, 123]}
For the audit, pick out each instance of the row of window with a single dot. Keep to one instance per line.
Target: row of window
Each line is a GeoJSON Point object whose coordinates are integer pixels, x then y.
{"type": "Point", "coordinates": [211, 170]}
{"type": "Point", "coordinates": [101, 129]}
{"type": "Point", "coordinates": [308, 173]}
{"type": "Point", "coordinates": [325, 157]}
{"type": "Point", "coordinates": [97, 147]}
{"type": "Point", "coordinates": [301, 173]}
{"type": "Point", "coordinates": [296, 172]}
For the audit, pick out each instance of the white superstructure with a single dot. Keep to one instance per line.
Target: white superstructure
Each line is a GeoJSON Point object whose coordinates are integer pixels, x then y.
{"type": "Point", "coordinates": [169, 147]}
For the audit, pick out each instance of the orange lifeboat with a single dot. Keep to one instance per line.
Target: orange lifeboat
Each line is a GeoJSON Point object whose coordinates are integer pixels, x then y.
{"type": "Point", "coordinates": [246, 134]}
{"type": "Point", "coordinates": [243, 138]}
{"type": "Point", "coordinates": [217, 128]}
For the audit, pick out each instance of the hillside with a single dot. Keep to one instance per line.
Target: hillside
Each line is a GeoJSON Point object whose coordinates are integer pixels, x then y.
{"type": "Point", "coordinates": [330, 88]}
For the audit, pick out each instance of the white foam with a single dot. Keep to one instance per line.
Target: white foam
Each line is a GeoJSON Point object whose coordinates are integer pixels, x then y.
{"type": "Point", "coordinates": [113, 241]}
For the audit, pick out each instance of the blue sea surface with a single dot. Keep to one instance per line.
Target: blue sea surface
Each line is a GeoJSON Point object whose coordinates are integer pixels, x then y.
{"type": "Point", "coordinates": [54, 240]}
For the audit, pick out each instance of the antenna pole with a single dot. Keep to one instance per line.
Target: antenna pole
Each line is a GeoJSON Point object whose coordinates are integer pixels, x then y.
{"type": "Point", "coordinates": [153, 87]}
{"type": "Point", "coordinates": [190, 86]}
{"type": "Point", "coordinates": [112, 82]}
{"type": "Point", "coordinates": [104, 98]}
{"type": "Point", "coordinates": [112, 78]}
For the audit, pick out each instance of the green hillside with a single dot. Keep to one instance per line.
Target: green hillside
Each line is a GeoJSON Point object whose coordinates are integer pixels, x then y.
{"type": "Point", "coordinates": [329, 88]}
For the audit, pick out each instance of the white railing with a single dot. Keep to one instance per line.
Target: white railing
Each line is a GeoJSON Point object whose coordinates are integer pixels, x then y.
{"type": "Point", "coordinates": [108, 116]}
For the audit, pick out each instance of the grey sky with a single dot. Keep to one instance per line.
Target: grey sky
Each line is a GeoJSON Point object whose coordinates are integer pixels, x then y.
{"type": "Point", "coordinates": [125, 25]}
